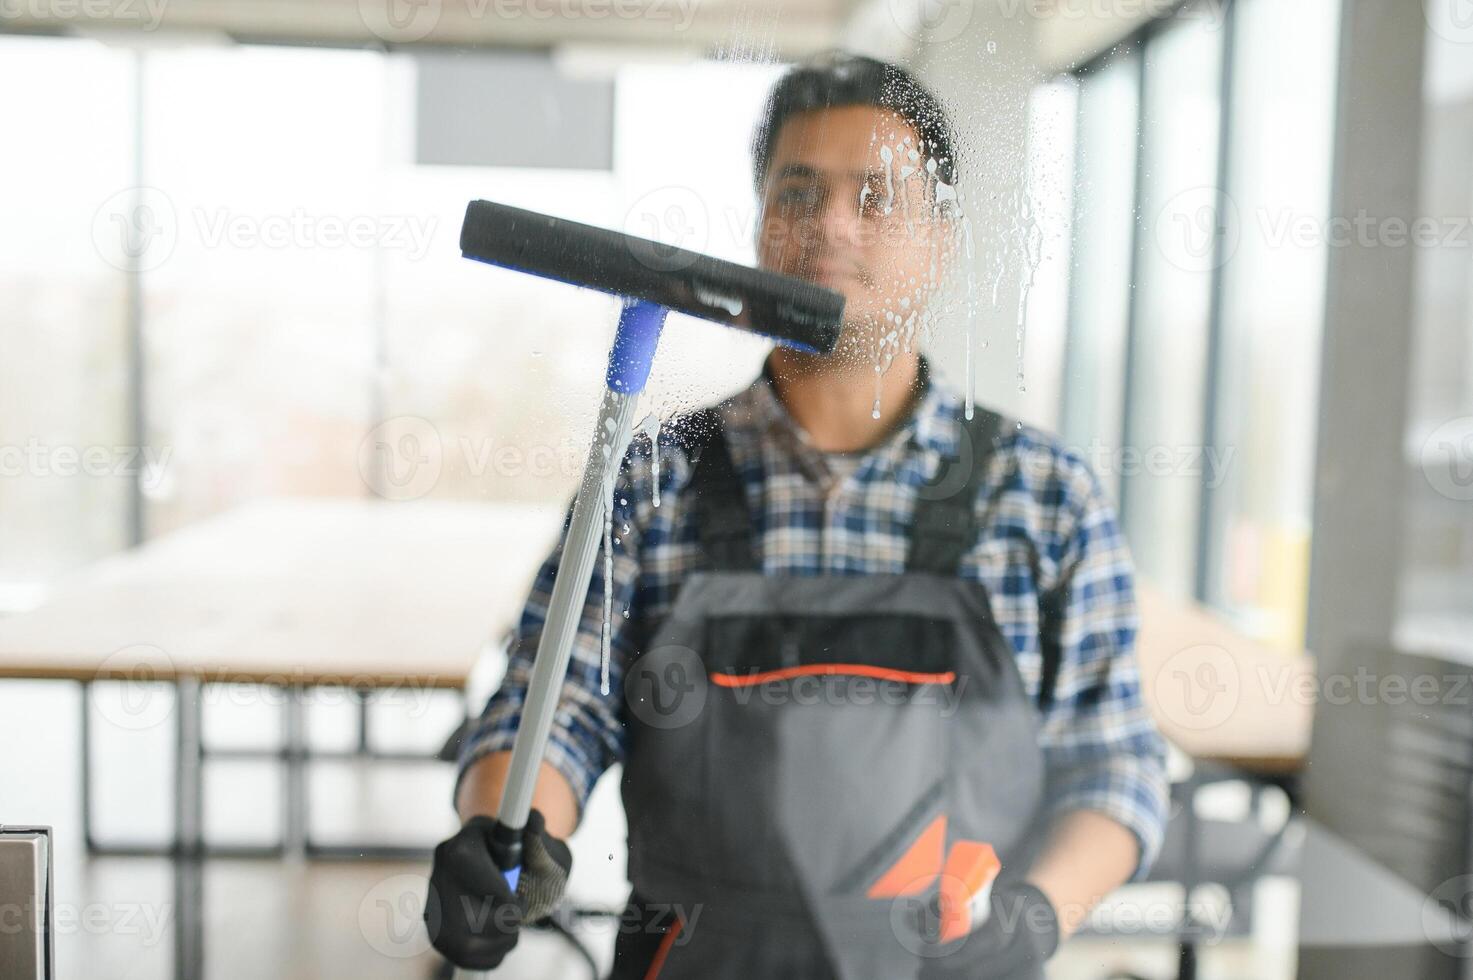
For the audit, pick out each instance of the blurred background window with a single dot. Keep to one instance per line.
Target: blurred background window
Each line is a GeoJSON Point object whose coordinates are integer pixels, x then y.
{"type": "Point", "coordinates": [1104, 238]}
{"type": "Point", "coordinates": [302, 323]}
{"type": "Point", "coordinates": [65, 429]}
{"type": "Point", "coordinates": [1175, 253]}
{"type": "Point", "coordinates": [1197, 297]}
{"type": "Point", "coordinates": [259, 328]}
{"type": "Point", "coordinates": [1435, 613]}
{"type": "Point", "coordinates": [1256, 561]}
{"type": "Point", "coordinates": [277, 227]}
{"type": "Point", "coordinates": [1052, 111]}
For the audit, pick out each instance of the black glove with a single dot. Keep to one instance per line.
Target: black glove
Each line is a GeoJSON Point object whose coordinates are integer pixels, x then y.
{"type": "Point", "coordinates": [471, 914]}
{"type": "Point", "coordinates": [1019, 936]}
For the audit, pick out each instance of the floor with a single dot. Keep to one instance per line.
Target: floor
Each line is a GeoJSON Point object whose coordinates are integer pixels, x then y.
{"type": "Point", "coordinates": [299, 920]}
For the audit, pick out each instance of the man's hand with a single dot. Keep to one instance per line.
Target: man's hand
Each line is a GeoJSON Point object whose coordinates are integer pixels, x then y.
{"type": "Point", "coordinates": [471, 913]}
{"type": "Point", "coordinates": [1019, 936]}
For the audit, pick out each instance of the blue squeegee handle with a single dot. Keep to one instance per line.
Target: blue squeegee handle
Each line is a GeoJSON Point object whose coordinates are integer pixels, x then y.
{"type": "Point", "coordinates": [506, 851]}
{"type": "Point", "coordinates": [629, 367]}
{"type": "Point", "coordinates": [634, 346]}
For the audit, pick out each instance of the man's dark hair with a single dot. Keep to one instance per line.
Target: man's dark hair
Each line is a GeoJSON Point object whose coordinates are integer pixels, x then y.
{"type": "Point", "coordinates": [838, 78]}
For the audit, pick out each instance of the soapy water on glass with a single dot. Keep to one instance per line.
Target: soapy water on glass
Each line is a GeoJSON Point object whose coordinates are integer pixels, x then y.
{"type": "Point", "coordinates": [1020, 239]}
{"type": "Point", "coordinates": [650, 427]}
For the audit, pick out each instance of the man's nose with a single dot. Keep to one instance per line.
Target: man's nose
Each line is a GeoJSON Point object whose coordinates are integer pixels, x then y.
{"type": "Point", "coordinates": [839, 223]}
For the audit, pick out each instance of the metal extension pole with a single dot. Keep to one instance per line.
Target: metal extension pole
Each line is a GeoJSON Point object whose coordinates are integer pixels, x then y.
{"type": "Point", "coordinates": [629, 364]}
{"type": "Point", "coordinates": [565, 608]}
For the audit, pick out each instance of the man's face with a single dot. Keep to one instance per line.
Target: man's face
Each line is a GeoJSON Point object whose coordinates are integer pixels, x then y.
{"type": "Point", "coordinates": [851, 204]}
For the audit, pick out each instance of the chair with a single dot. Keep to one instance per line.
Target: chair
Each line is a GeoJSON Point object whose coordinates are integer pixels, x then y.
{"type": "Point", "coordinates": [1393, 774]}
{"type": "Point", "coordinates": [1233, 854]}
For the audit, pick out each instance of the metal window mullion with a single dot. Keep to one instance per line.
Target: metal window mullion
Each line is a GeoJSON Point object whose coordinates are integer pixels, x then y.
{"type": "Point", "coordinates": [1137, 247]}
{"type": "Point", "coordinates": [1206, 550]}
{"type": "Point", "coordinates": [1071, 312]}
{"type": "Point", "coordinates": [133, 316]}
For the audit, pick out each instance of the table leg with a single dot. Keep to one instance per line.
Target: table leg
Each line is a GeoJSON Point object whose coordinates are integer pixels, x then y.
{"type": "Point", "coordinates": [294, 772]}
{"type": "Point", "coordinates": [188, 833]}
{"type": "Point", "coordinates": [1187, 961]}
{"type": "Point", "coordinates": [360, 695]}
{"type": "Point", "coordinates": [84, 736]}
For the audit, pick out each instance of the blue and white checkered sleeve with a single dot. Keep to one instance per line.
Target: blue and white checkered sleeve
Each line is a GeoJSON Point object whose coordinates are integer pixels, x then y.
{"type": "Point", "coordinates": [587, 734]}
{"type": "Point", "coordinates": [1100, 743]}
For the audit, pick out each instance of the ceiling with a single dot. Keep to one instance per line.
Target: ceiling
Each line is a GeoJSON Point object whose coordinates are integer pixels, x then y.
{"type": "Point", "coordinates": [737, 28]}
{"type": "Point", "coordinates": [1068, 32]}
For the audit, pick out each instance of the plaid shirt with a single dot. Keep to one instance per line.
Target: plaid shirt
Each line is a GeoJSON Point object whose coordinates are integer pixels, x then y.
{"type": "Point", "coordinates": [1045, 511]}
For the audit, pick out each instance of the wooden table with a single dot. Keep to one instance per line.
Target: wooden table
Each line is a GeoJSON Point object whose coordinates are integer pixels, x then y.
{"type": "Point", "coordinates": [306, 591]}
{"type": "Point", "coordinates": [294, 594]}
{"type": "Point", "coordinates": [1217, 693]}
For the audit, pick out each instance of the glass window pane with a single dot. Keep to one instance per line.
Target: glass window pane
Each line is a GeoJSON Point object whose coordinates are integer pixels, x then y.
{"type": "Point", "coordinates": [495, 376]}
{"type": "Point", "coordinates": [1180, 123]}
{"type": "Point", "coordinates": [1435, 613]}
{"type": "Point", "coordinates": [66, 463]}
{"type": "Point", "coordinates": [1099, 304]}
{"type": "Point", "coordinates": [259, 326]}
{"type": "Point", "coordinates": [1053, 110]}
{"type": "Point", "coordinates": [1272, 310]}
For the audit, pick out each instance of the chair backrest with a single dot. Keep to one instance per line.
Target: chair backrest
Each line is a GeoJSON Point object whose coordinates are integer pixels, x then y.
{"type": "Point", "coordinates": [1391, 771]}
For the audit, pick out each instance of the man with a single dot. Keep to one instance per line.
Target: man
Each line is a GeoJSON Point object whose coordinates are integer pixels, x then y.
{"type": "Point", "coordinates": [870, 644]}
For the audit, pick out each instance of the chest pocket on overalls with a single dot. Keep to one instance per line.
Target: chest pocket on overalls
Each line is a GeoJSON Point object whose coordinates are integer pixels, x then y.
{"type": "Point", "coordinates": [828, 725]}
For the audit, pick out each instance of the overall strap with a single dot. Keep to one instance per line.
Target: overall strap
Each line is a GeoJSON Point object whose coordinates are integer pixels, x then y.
{"type": "Point", "coordinates": [944, 530]}
{"type": "Point", "coordinates": [944, 527]}
{"type": "Point", "coordinates": [722, 514]}
{"type": "Point", "coordinates": [1050, 624]}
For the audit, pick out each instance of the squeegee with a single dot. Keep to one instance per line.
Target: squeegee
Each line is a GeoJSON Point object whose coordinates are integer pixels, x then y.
{"type": "Point", "coordinates": [652, 279]}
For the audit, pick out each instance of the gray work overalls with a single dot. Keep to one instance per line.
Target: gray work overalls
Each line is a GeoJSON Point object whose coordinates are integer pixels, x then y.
{"type": "Point", "coordinates": [792, 738]}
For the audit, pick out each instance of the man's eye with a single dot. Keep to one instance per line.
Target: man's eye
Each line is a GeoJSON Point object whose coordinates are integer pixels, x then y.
{"type": "Point", "coordinates": [795, 202]}
{"type": "Point", "coordinates": [873, 203]}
